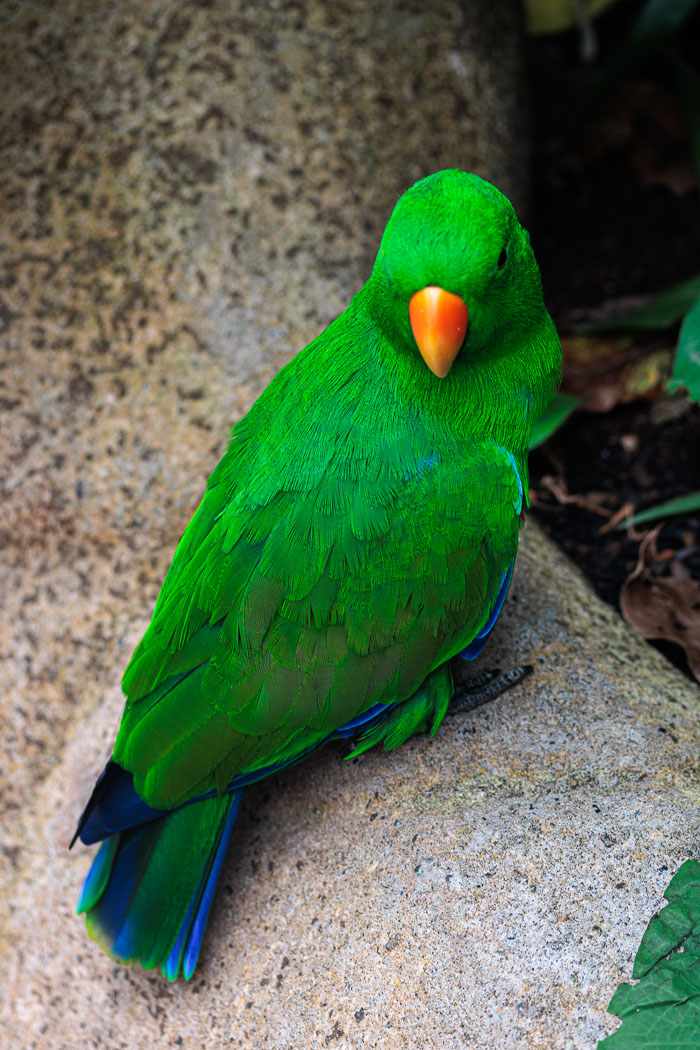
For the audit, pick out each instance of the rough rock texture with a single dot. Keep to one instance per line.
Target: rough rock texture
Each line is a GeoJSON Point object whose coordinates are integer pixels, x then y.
{"type": "Point", "coordinates": [189, 193]}
{"type": "Point", "coordinates": [487, 888]}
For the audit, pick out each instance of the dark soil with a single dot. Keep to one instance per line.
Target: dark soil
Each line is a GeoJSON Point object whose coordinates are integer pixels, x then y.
{"type": "Point", "coordinates": [610, 460]}
{"type": "Point", "coordinates": [601, 232]}
{"type": "Point", "coordinates": [616, 213]}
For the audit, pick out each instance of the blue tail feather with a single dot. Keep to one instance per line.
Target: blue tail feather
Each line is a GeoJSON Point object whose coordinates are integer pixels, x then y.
{"type": "Point", "coordinates": [98, 875]}
{"type": "Point", "coordinates": [185, 951]}
{"type": "Point", "coordinates": [109, 917]}
{"type": "Point", "coordinates": [150, 889]}
{"type": "Point", "coordinates": [194, 941]}
{"type": "Point", "coordinates": [171, 966]}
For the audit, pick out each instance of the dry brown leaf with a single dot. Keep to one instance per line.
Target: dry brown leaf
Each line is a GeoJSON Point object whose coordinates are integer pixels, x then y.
{"type": "Point", "coordinates": [613, 369]}
{"type": "Point", "coordinates": [663, 607]}
{"type": "Point", "coordinates": [557, 487]}
{"type": "Point", "coordinates": [625, 511]}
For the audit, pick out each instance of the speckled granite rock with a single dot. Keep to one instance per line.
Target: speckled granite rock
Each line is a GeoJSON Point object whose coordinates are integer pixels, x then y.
{"type": "Point", "coordinates": [484, 889]}
{"type": "Point", "coordinates": [189, 194]}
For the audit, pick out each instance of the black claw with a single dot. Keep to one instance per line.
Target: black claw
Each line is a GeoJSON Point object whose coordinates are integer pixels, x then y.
{"type": "Point", "coordinates": [466, 683]}
{"type": "Point", "coordinates": [473, 692]}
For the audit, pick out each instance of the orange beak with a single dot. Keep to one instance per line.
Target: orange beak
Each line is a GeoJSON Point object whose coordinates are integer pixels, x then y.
{"type": "Point", "coordinates": [439, 323]}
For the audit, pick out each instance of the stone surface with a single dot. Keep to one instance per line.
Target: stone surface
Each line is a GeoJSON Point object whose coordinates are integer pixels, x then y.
{"type": "Point", "coordinates": [189, 194]}
{"type": "Point", "coordinates": [486, 888]}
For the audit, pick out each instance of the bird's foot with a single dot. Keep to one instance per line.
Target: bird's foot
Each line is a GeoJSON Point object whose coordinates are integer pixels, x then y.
{"type": "Point", "coordinates": [471, 692]}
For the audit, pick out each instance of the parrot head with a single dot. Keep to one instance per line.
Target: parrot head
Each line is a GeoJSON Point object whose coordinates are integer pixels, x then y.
{"type": "Point", "coordinates": [455, 278]}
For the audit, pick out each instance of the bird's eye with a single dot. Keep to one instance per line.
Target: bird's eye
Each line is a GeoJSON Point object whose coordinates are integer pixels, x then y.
{"type": "Point", "coordinates": [502, 259]}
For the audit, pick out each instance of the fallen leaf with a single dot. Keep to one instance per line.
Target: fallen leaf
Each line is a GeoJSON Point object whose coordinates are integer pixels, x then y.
{"type": "Point", "coordinates": [625, 511]}
{"type": "Point", "coordinates": [612, 370]}
{"type": "Point", "coordinates": [669, 409]}
{"type": "Point", "coordinates": [557, 487]}
{"type": "Point", "coordinates": [663, 607]}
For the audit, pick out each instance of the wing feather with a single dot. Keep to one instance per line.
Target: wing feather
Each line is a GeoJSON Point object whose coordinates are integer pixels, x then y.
{"type": "Point", "coordinates": [291, 608]}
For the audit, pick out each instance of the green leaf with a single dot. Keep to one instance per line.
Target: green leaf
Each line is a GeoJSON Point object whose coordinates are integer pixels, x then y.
{"type": "Point", "coordinates": [664, 310]}
{"type": "Point", "coordinates": [662, 1011]}
{"type": "Point", "coordinates": [658, 20]}
{"type": "Point", "coordinates": [558, 409]}
{"type": "Point", "coordinates": [686, 367]}
{"type": "Point", "coordinates": [681, 505]}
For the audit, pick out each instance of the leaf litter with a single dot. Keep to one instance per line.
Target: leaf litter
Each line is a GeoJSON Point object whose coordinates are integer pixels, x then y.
{"type": "Point", "coordinates": [665, 607]}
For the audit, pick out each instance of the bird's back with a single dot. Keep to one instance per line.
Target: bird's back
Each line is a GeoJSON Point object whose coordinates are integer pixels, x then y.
{"type": "Point", "coordinates": [345, 547]}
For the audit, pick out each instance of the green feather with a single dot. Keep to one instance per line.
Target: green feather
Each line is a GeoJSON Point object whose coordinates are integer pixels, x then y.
{"type": "Point", "coordinates": [353, 538]}
{"type": "Point", "coordinates": [355, 534]}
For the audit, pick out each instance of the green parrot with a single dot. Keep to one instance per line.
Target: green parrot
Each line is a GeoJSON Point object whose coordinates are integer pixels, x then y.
{"type": "Point", "coordinates": [358, 533]}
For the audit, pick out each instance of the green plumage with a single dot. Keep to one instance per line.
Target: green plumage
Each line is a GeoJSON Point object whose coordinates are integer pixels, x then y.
{"type": "Point", "coordinates": [356, 533]}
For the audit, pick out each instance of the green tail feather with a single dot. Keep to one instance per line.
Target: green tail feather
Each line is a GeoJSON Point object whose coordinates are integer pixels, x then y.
{"type": "Point", "coordinates": [148, 893]}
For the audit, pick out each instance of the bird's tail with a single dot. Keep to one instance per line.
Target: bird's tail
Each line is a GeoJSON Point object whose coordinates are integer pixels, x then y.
{"type": "Point", "coordinates": [148, 893]}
